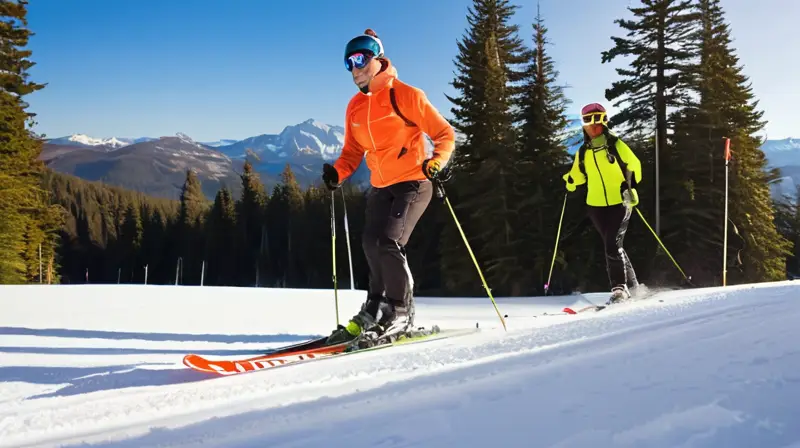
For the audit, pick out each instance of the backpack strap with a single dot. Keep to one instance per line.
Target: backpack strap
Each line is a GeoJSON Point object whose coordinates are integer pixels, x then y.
{"type": "Point", "coordinates": [611, 141]}
{"type": "Point", "coordinates": [393, 98]}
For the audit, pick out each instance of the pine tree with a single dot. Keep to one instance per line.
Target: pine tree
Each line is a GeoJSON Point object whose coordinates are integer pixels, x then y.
{"type": "Point", "coordinates": [317, 235]}
{"type": "Point", "coordinates": [155, 247]}
{"type": "Point", "coordinates": [543, 160]}
{"type": "Point", "coordinates": [193, 202]}
{"type": "Point", "coordinates": [725, 107]}
{"type": "Point", "coordinates": [489, 71]}
{"type": "Point", "coordinates": [657, 77]}
{"type": "Point", "coordinates": [296, 226]}
{"type": "Point", "coordinates": [286, 229]}
{"type": "Point", "coordinates": [193, 207]}
{"type": "Point", "coordinates": [221, 237]}
{"type": "Point", "coordinates": [131, 243]}
{"type": "Point", "coordinates": [657, 80]}
{"type": "Point", "coordinates": [251, 220]}
{"type": "Point", "coordinates": [27, 219]}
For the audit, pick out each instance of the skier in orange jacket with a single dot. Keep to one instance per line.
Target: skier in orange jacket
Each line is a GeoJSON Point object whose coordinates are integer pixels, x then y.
{"type": "Point", "coordinates": [385, 122]}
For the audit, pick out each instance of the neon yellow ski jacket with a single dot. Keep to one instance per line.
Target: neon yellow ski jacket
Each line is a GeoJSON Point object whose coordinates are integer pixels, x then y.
{"type": "Point", "coordinates": [604, 174]}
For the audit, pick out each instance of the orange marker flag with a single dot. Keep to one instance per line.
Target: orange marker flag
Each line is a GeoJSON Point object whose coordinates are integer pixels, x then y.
{"type": "Point", "coordinates": [727, 149]}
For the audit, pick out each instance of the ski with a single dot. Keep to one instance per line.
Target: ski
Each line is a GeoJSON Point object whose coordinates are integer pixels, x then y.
{"type": "Point", "coordinates": [598, 308]}
{"type": "Point", "coordinates": [313, 350]}
{"type": "Point", "coordinates": [234, 366]}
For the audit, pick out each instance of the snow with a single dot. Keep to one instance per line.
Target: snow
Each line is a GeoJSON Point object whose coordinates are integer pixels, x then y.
{"type": "Point", "coordinates": [86, 140]}
{"type": "Point", "coordinates": [786, 144]}
{"type": "Point", "coordinates": [189, 141]}
{"type": "Point", "coordinates": [318, 124]}
{"type": "Point", "coordinates": [212, 164]}
{"type": "Point", "coordinates": [222, 142]}
{"type": "Point", "coordinates": [100, 365]}
{"type": "Point", "coordinates": [83, 139]}
{"type": "Point", "coordinates": [217, 170]}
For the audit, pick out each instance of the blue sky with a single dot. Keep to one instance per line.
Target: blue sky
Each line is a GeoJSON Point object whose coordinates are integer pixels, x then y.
{"type": "Point", "coordinates": [239, 68]}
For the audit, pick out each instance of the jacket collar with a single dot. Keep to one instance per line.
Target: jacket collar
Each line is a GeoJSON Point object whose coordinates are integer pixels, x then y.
{"type": "Point", "coordinates": [384, 78]}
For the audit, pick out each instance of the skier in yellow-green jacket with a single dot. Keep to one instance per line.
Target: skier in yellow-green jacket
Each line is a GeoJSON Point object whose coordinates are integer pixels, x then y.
{"type": "Point", "coordinates": [611, 172]}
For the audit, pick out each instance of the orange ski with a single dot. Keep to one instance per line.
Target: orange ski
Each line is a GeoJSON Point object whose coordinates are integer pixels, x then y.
{"type": "Point", "coordinates": [312, 350]}
{"type": "Point", "coordinates": [261, 362]}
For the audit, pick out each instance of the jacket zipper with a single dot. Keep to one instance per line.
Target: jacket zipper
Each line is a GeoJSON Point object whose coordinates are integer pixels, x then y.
{"type": "Point", "coordinates": [602, 181]}
{"type": "Point", "coordinates": [369, 131]}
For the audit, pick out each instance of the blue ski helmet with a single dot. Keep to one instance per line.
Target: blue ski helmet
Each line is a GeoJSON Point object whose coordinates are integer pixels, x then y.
{"type": "Point", "coordinates": [367, 43]}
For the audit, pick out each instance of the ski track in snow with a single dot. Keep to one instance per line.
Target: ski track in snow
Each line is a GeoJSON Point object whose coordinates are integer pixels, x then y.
{"type": "Point", "coordinates": [706, 368]}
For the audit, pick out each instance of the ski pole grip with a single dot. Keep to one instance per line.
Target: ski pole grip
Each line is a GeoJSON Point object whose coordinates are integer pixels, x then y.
{"type": "Point", "coordinates": [439, 189]}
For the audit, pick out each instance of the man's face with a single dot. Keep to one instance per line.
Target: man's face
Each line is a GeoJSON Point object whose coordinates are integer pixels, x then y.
{"type": "Point", "coordinates": [362, 76]}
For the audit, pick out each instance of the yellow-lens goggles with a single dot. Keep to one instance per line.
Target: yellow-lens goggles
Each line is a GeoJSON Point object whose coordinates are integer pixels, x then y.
{"type": "Point", "coordinates": [594, 118]}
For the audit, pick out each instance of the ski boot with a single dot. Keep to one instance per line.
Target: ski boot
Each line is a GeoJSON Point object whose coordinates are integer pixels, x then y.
{"type": "Point", "coordinates": [361, 324]}
{"type": "Point", "coordinates": [396, 322]}
{"type": "Point", "coordinates": [392, 323]}
{"type": "Point", "coordinates": [619, 293]}
{"type": "Point", "coordinates": [365, 324]}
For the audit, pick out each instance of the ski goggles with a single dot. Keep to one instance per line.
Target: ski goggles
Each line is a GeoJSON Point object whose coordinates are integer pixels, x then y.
{"type": "Point", "coordinates": [357, 60]}
{"type": "Point", "coordinates": [594, 118]}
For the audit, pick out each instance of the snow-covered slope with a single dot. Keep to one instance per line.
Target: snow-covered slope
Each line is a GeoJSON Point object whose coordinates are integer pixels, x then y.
{"type": "Point", "coordinates": [85, 365]}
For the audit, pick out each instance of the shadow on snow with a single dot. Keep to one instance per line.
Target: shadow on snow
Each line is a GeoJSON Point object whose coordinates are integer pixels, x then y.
{"type": "Point", "coordinates": [180, 337]}
{"type": "Point", "coordinates": [128, 351]}
{"type": "Point", "coordinates": [68, 381]}
{"type": "Point", "coordinates": [83, 380]}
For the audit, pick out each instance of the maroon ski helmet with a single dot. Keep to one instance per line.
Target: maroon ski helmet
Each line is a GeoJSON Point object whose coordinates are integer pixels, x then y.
{"type": "Point", "coordinates": [592, 107]}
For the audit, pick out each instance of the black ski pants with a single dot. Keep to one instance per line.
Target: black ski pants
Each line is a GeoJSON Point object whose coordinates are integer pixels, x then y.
{"type": "Point", "coordinates": [391, 215]}
{"type": "Point", "coordinates": [612, 223]}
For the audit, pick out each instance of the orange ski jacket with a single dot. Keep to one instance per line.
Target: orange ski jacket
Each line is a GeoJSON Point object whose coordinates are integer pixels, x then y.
{"type": "Point", "coordinates": [394, 149]}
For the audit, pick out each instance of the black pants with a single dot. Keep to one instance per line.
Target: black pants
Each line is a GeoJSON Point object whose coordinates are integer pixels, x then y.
{"type": "Point", "coordinates": [392, 212]}
{"type": "Point", "coordinates": [612, 223]}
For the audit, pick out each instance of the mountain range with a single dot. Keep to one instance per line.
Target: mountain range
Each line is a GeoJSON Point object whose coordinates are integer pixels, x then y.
{"type": "Point", "coordinates": [158, 165]}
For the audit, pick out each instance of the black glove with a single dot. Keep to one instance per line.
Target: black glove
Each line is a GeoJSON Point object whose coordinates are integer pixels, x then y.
{"type": "Point", "coordinates": [330, 176]}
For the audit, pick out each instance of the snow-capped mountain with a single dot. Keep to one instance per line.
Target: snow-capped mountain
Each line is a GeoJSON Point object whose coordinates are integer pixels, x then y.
{"type": "Point", "coordinates": [782, 152]}
{"type": "Point", "coordinates": [157, 166]}
{"type": "Point", "coordinates": [309, 138]}
{"type": "Point", "coordinates": [787, 144]}
{"type": "Point", "coordinates": [304, 147]}
{"type": "Point", "coordinates": [108, 143]}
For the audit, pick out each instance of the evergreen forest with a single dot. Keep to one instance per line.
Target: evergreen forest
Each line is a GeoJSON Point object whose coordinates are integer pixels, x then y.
{"type": "Point", "coordinates": [682, 95]}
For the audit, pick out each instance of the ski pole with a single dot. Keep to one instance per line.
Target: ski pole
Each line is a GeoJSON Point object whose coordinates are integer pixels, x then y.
{"type": "Point", "coordinates": [347, 238]}
{"type": "Point", "coordinates": [333, 252]}
{"type": "Point", "coordinates": [441, 194]}
{"type": "Point", "coordinates": [555, 249]}
{"type": "Point", "coordinates": [688, 279]}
